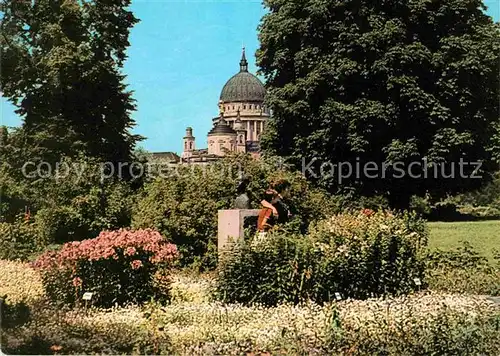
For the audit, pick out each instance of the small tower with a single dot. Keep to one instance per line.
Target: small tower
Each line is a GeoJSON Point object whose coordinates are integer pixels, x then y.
{"type": "Point", "coordinates": [188, 143]}
{"type": "Point", "coordinates": [241, 134]}
{"type": "Point", "coordinates": [243, 62]}
{"type": "Point", "coordinates": [222, 138]}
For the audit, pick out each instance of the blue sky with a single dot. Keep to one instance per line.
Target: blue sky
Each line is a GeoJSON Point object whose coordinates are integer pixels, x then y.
{"type": "Point", "coordinates": [181, 55]}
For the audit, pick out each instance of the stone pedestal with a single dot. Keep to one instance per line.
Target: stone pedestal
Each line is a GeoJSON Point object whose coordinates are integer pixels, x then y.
{"type": "Point", "coordinates": [231, 225]}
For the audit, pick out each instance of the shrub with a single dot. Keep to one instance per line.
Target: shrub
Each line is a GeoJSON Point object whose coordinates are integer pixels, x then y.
{"type": "Point", "coordinates": [267, 275]}
{"type": "Point", "coordinates": [19, 239]}
{"type": "Point", "coordinates": [352, 201]}
{"type": "Point", "coordinates": [446, 210]}
{"type": "Point", "coordinates": [13, 315]}
{"type": "Point", "coordinates": [184, 205]}
{"type": "Point", "coordinates": [81, 207]}
{"type": "Point", "coordinates": [19, 283]}
{"type": "Point", "coordinates": [181, 210]}
{"type": "Point", "coordinates": [11, 202]}
{"type": "Point", "coordinates": [67, 205]}
{"type": "Point", "coordinates": [20, 288]}
{"type": "Point", "coordinates": [480, 212]}
{"type": "Point", "coordinates": [371, 253]}
{"type": "Point", "coordinates": [462, 270]}
{"type": "Point", "coordinates": [117, 266]}
{"type": "Point", "coordinates": [421, 205]}
{"type": "Point", "coordinates": [488, 196]}
{"type": "Point", "coordinates": [356, 255]}
{"type": "Point", "coordinates": [191, 288]}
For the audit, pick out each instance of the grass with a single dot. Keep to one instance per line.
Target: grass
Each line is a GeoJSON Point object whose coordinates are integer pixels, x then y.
{"type": "Point", "coordinates": [484, 236]}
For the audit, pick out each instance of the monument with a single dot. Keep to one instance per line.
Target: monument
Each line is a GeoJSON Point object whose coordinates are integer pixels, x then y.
{"type": "Point", "coordinates": [231, 227]}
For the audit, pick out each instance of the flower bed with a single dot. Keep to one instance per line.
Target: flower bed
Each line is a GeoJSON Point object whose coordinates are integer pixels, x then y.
{"type": "Point", "coordinates": [355, 255]}
{"type": "Point", "coordinates": [422, 323]}
{"type": "Point", "coordinates": [418, 323]}
{"type": "Point", "coordinates": [119, 267]}
{"type": "Point", "coordinates": [19, 283]}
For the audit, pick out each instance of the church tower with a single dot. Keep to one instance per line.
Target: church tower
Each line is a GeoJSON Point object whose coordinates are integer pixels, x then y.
{"type": "Point", "coordinates": [188, 143]}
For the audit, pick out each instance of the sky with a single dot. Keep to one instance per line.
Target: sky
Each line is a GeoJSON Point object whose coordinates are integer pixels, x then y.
{"type": "Point", "coordinates": [181, 55]}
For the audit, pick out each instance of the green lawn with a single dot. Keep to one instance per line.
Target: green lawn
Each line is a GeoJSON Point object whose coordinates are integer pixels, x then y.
{"type": "Point", "coordinates": [484, 236]}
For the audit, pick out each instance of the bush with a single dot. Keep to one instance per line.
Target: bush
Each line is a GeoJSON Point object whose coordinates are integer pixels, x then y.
{"type": "Point", "coordinates": [118, 267]}
{"type": "Point", "coordinates": [421, 205]}
{"type": "Point", "coordinates": [462, 271]}
{"type": "Point", "coordinates": [195, 288]}
{"type": "Point", "coordinates": [488, 196]}
{"type": "Point", "coordinates": [355, 255]}
{"type": "Point", "coordinates": [80, 207]}
{"type": "Point", "coordinates": [480, 212]}
{"type": "Point", "coordinates": [20, 283]}
{"type": "Point", "coordinates": [351, 201]}
{"type": "Point", "coordinates": [374, 253]}
{"type": "Point", "coordinates": [446, 210]}
{"type": "Point", "coordinates": [481, 204]}
{"type": "Point", "coordinates": [184, 206]}
{"type": "Point", "coordinates": [452, 209]}
{"type": "Point", "coordinates": [13, 315]}
{"type": "Point", "coordinates": [67, 205]}
{"type": "Point", "coordinates": [19, 239]}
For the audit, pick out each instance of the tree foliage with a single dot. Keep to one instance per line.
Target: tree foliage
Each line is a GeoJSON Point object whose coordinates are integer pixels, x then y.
{"type": "Point", "coordinates": [72, 203]}
{"type": "Point", "coordinates": [61, 68]}
{"type": "Point", "coordinates": [385, 82]}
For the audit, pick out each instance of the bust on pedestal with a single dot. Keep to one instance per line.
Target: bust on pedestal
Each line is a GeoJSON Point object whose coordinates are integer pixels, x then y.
{"type": "Point", "coordinates": [242, 201]}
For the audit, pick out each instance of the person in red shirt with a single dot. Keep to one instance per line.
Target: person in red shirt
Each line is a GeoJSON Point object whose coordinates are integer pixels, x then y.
{"type": "Point", "coordinates": [264, 222]}
{"type": "Point", "coordinates": [268, 215]}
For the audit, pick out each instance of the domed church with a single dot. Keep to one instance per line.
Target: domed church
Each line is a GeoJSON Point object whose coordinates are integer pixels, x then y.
{"type": "Point", "coordinates": [241, 120]}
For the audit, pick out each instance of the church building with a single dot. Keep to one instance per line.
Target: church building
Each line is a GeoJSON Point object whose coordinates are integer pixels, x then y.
{"type": "Point", "coordinates": [241, 120]}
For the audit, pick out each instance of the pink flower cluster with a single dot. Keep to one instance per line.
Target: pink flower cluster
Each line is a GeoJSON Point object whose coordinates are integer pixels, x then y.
{"type": "Point", "coordinates": [136, 264]}
{"type": "Point", "coordinates": [77, 282]}
{"type": "Point", "coordinates": [111, 244]}
{"type": "Point", "coordinates": [367, 212]}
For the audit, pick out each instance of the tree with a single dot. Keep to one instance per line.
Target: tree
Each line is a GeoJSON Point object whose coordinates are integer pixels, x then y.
{"type": "Point", "coordinates": [390, 82]}
{"type": "Point", "coordinates": [12, 199]}
{"type": "Point", "coordinates": [61, 68]}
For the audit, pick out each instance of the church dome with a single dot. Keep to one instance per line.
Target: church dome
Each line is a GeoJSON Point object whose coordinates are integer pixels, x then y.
{"type": "Point", "coordinates": [221, 128]}
{"type": "Point", "coordinates": [243, 86]}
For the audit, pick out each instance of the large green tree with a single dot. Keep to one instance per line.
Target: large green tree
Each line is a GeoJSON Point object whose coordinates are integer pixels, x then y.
{"type": "Point", "coordinates": [390, 82]}
{"type": "Point", "coordinates": [61, 68]}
